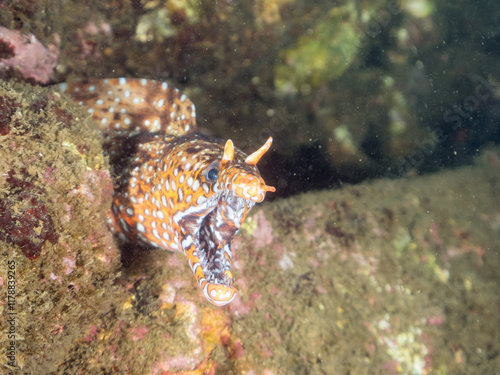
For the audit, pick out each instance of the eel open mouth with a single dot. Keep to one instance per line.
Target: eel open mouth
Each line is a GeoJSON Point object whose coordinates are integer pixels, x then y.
{"type": "Point", "coordinates": [212, 251]}
{"type": "Point", "coordinates": [213, 247]}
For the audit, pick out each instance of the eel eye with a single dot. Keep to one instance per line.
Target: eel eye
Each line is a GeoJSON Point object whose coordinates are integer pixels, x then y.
{"type": "Point", "coordinates": [211, 174]}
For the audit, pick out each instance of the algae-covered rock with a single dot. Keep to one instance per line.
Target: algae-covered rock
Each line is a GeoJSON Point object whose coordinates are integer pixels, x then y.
{"type": "Point", "coordinates": [320, 55]}
{"type": "Point", "coordinates": [59, 260]}
{"type": "Point", "coordinates": [386, 277]}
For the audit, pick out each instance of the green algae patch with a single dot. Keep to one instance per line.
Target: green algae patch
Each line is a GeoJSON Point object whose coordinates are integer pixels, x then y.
{"type": "Point", "coordinates": [320, 55]}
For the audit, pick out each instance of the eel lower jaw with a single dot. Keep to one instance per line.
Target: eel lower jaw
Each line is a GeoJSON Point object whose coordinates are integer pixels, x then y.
{"type": "Point", "coordinates": [219, 294]}
{"type": "Point", "coordinates": [217, 283]}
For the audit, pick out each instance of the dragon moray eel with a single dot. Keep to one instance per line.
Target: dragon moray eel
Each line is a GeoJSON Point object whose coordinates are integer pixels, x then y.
{"type": "Point", "coordinates": [177, 189]}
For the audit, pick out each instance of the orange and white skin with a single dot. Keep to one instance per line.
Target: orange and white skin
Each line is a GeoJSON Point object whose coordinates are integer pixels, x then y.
{"type": "Point", "coordinates": [177, 189]}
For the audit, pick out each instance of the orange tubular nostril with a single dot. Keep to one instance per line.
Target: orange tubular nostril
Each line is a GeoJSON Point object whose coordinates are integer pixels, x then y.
{"type": "Point", "coordinates": [269, 188]}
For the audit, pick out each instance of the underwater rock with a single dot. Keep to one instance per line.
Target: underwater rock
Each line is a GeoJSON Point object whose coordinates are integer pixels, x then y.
{"type": "Point", "coordinates": [373, 278]}
{"type": "Point", "coordinates": [54, 191]}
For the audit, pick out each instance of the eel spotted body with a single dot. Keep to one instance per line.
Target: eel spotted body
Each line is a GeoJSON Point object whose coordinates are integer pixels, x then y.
{"type": "Point", "coordinates": [177, 189]}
